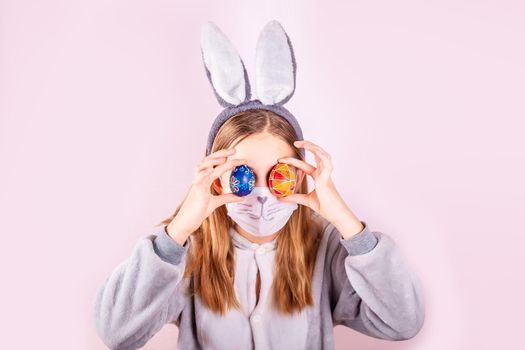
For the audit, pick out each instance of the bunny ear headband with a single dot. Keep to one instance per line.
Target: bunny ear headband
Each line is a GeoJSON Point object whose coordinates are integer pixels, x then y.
{"type": "Point", "coordinates": [275, 70]}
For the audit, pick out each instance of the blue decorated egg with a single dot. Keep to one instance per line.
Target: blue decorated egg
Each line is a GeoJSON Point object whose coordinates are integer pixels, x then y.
{"type": "Point", "coordinates": [242, 180]}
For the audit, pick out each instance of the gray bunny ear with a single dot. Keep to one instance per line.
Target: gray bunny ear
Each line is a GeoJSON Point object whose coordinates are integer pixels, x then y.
{"type": "Point", "coordinates": [224, 67]}
{"type": "Point", "coordinates": [275, 66]}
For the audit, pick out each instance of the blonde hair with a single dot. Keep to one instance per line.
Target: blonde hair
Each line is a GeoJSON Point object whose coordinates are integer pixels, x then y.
{"type": "Point", "coordinates": [210, 262]}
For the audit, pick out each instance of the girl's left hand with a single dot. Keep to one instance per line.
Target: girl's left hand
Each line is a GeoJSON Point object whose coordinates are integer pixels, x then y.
{"type": "Point", "coordinates": [324, 199]}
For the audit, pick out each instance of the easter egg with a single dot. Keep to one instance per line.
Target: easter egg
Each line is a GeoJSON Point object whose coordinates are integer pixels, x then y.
{"type": "Point", "coordinates": [282, 180]}
{"type": "Point", "coordinates": [242, 180]}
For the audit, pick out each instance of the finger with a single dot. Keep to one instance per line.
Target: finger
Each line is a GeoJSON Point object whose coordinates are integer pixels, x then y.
{"type": "Point", "coordinates": [322, 158]}
{"type": "Point", "coordinates": [298, 198]}
{"type": "Point", "coordinates": [221, 169]}
{"type": "Point", "coordinates": [309, 143]}
{"type": "Point", "coordinates": [222, 199]}
{"type": "Point", "coordinates": [200, 176]}
{"type": "Point", "coordinates": [208, 163]}
{"type": "Point", "coordinates": [225, 152]}
{"type": "Point", "coordinates": [299, 163]}
{"type": "Point", "coordinates": [312, 147]}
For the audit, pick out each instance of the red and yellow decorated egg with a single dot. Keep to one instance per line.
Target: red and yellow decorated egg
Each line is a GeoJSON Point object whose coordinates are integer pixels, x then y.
{"type": "Point", "coordinates": [282, 180]}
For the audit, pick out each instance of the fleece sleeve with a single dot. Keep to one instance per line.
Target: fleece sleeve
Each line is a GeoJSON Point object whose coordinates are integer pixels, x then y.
{"type": "Point", "coordinates": [143, 293]}
{"type": "Point", "coordinates": [372, 290]}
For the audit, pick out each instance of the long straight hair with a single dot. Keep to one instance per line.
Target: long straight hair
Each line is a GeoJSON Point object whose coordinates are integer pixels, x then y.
{"type": "Point", "coordinates": [210, 262]}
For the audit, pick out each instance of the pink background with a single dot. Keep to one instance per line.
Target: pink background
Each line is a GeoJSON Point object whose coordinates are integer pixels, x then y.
{"type": "Point", "coordinates": [105, 109]}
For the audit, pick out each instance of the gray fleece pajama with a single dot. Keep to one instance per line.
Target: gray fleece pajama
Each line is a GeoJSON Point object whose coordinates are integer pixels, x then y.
{"type": "Point", "coordinates": [362, 283]}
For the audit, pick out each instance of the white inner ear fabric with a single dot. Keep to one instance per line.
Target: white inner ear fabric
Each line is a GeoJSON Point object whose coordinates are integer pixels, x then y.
{"type": "Point", "coordinates": [224, 64]}
{"type": "Point", "coordinates": [273, 65]}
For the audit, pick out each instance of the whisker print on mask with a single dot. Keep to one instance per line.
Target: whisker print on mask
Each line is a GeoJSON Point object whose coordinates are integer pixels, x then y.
{"type": "Point", "coordinates": [268, 216]}
{"type": "Point", "coordinates": [272, 210]}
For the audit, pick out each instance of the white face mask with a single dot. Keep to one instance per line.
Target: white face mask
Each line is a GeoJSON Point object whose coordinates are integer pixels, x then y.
{"type": "Point", "coordinates": [260, 213]}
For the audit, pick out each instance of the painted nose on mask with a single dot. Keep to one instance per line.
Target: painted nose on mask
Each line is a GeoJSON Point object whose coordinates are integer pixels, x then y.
{"type": "Point", "coordinates": [262, 199]}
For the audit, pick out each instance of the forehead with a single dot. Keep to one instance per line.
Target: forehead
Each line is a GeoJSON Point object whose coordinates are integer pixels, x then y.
{"type": "Point", "coordinates": [262, 150]}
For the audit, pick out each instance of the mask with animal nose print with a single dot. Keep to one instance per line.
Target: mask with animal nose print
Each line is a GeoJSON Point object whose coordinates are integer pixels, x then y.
{"type": "Point", "coordinates": [260, 213]}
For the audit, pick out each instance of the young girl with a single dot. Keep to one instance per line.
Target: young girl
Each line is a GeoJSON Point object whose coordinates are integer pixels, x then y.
{"type": "Point", "coordinates": [259, 272]}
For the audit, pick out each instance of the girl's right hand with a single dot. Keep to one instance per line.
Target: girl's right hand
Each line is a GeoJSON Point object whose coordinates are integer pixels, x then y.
{"type": "Point", "coordinates": [200, 202]}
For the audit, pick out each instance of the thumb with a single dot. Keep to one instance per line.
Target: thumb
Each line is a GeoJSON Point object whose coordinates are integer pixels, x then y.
{"type": "Point", "coordinates": [294, 198]}
{"type": "Point", "coordinates": [228, 198]}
